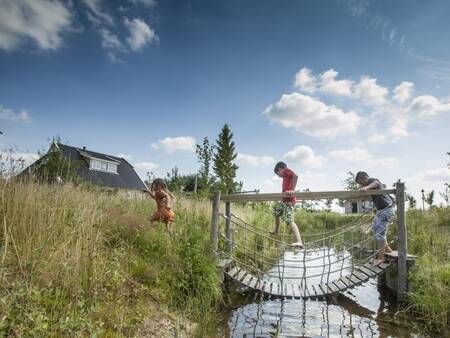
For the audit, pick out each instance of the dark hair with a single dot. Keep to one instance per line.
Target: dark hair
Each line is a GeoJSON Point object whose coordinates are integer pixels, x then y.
{"type": "Point", "coordinates": [279, 165]}
{"type": "Point", "coordinates": [158, 182]}
{"type": "Point", "coordinates": [360, 174]}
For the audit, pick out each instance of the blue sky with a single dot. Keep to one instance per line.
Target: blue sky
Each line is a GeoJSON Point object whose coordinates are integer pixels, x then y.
{"type": "Point", "coordinates": [327, 86]}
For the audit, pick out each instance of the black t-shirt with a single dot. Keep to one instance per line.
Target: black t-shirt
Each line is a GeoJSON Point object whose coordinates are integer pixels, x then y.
{"type": "Point", "coordinates": [380, 201]}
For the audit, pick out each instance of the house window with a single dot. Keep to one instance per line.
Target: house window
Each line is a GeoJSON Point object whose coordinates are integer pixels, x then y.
{"type": "Point", "coordinates": [103, 166]}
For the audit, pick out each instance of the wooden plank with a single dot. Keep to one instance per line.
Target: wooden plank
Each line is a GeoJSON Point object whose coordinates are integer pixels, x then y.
{"type": "Point", "coordinates": [402, 270]}
{"type": "Point", "coordinates": [215, 222]}
{"type": "Point", "coordinates": [332, 287]}
{"type": "Point", "coordinates": [319, 291]}
{"type": "Point", "coordinates": [312, 291]}
{"type": "Point", "coordinates": [361, 276]}
{"type": "Point", "coordinates": [369, 273]}
{"type": "Point", "coordinates": [374, 268]}
{"type": "Point", "coordinates": [254, 283]}
{"type": "Point", "coordinates": [228, 227]}
{"type": "Point", "coordinates": [355, 280]}
{"type": "Point", "coordinates": [307, 195]}
{"type": "Point", "coordinates": [347, 281]}
{"type": "Point", "coordinates": [276, 290]}
{"type": "Point", "coordinates": [340, 285]}
{"type": "Point", "coordinates": [241, 275]}
{"type": "Point", "coordinates": [233, 272]}
{"type": "Point", "coordinates": [326, 290]}
{"type": "Point", "coordinates": [266, 287]}
{"type": "Point", "coordinates": [247, 279]}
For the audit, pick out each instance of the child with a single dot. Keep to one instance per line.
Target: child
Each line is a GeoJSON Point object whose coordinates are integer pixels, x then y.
{"type": "Point", "coordinates": [385, 210]}
{"type": "Point", "coordinates": [285, 208]}
{"type": "Point", "coordinates": [162, 196]}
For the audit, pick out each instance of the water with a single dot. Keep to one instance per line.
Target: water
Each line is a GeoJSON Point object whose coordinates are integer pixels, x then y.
{"type": "Point", "coordinates": [364, 311]}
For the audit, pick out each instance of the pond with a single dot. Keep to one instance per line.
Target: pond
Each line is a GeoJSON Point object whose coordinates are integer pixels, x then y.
{"type": "Point", "coordinates": [368, 310]}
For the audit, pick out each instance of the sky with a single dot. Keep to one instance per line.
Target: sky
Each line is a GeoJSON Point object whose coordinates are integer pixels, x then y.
{"type": "Point", "coordinates": [326, 86]}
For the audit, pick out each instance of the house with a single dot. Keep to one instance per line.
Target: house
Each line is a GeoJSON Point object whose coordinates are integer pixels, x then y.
{"type": "Point", "coordinates": [97, 168]}
{"type": "Point", "coordinates": [358, 206]}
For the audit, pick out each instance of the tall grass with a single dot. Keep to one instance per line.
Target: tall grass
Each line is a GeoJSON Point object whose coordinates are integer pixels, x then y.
{"type": "Point", "coordinates": [429, 239]}
{"type": "Point", "coordinates": [82, 261]}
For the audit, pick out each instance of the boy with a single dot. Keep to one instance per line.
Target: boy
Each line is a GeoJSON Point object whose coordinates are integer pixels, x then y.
{"type": "Point", "coordinates": [385, 210]}
{"type": "Point", "coordinates": [285, 208]}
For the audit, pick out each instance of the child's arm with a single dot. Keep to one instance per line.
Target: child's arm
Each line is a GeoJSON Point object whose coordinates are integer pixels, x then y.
{"type": "Point", "coordinates": [374, 185]}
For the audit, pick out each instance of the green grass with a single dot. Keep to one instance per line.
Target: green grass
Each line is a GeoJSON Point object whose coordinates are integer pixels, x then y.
{"type": "Point", "coordinates": [429, 238]}
{"type": "Point", "coordinates": [82, 261]}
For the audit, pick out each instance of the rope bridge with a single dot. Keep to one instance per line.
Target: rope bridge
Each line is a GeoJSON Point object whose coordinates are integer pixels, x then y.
{"type": "Point", "coordinates": [330, 262]}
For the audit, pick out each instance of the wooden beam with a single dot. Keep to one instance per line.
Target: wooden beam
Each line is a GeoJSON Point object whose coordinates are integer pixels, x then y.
{"type": "Point", "coordinates": [228, 229]}
{"type": "Point", "coordinates": [402, 285]}
{"type": "Point", "coordinates": [307, 195]}
{"type": "Point", "coordinates": [215, 222]}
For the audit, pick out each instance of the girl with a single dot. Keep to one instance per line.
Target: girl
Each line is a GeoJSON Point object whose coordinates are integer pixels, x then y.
{"type": "Point", "coordinates": [162, 196]}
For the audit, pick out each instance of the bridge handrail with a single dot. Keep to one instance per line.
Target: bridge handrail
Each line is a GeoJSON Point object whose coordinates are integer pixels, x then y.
{"type": "Point", "coordinates": [306, 195]}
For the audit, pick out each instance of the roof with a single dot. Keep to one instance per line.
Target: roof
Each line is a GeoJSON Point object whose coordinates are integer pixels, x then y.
{"type": "Point", "coordinates": [126, 177]}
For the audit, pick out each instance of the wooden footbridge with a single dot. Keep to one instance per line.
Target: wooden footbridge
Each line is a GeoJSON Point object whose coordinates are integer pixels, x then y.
{"type": "Point", "coordinates": [330, 262]}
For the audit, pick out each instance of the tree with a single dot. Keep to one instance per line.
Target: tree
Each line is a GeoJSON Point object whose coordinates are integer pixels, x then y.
{"type": "Point", "coordinates": [429, 199]}
{"type": "Point", "coordinates": [412, 202]}
{"type": "Point", "coordinates": [349, 183]}
{"type": "Point", "coordinates": [205, 154]}
{"type": "Point", "coordinates": [224, 168]}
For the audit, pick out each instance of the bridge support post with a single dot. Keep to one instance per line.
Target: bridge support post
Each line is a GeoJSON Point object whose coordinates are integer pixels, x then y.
{"type": "Point", "coordinates": [402, 285]}
{"type": "Point", "coordinates": [215, 222]}
{"type": "Point", "coordinates": [228, 229]}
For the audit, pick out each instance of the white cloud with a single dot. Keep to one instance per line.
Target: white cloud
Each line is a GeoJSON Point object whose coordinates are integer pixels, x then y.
{"type": "Point", "coordinates": [145, 166]}
{"type": "Point", "coordinates": [369, 92]}
{"type": "Point", "coordinates": [428, 106]}
{"type": "Point", "coordinates": [145, 3]}
{"type": "Point", "coordinates": [434, 175]}
{"type": "Point", "coordinates": [111, 44]}
{"type": "Point", "coordinates": [311, 116]}
{"type": "Point", "coordinates": [351, 155]}
{"type": "Point", "coordinates": [41, 21]}
{"type": "Point", "coordinates": [253, 160]}
{"type": "Point", "coordinates": [363, 157]}
{"type": "Point", "coordinates": [13, 162]}
{"type": "Point", "coordinates": [305, 155]}
{"type": "Point", "coordinates": [305, 81]}
{"type": "Point", "coordinates": [403, 91]}
{"type": "Point", "coordinates": [172, 144]}
{"type": "Point", "coordinates": [97, 14]}
{"type": "Point", "coordinates": [140, 33]}
{"type": "Point", "coordinates": [9, 115]}
{"type": "Point", "coordinates": [331, 86]}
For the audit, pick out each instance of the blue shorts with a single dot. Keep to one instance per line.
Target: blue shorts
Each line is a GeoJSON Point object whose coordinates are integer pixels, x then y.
{"type": "Point", "coordinates": [381, 222]}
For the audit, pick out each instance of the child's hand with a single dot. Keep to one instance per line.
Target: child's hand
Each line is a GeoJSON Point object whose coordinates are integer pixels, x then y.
{"type": "Point", "coordinates": [363, 189]}
{"type": "Point", "coordinates": [289, 192]}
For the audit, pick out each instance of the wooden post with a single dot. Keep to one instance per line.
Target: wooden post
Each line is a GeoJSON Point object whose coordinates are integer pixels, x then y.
{"type": "Point", "coordinates": [402, 286]}
{"type": "Point", "coordinates": [228, 229]}
{"type": "Point", "coordinates": [215, 222]}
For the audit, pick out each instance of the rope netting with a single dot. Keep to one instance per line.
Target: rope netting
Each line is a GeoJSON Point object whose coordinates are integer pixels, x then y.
{"type": "Point", "coordinates": [325, 256]}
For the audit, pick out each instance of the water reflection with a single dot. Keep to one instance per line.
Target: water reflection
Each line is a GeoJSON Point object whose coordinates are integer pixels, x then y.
{"type": "Point", "coordinates": [364, 311]}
